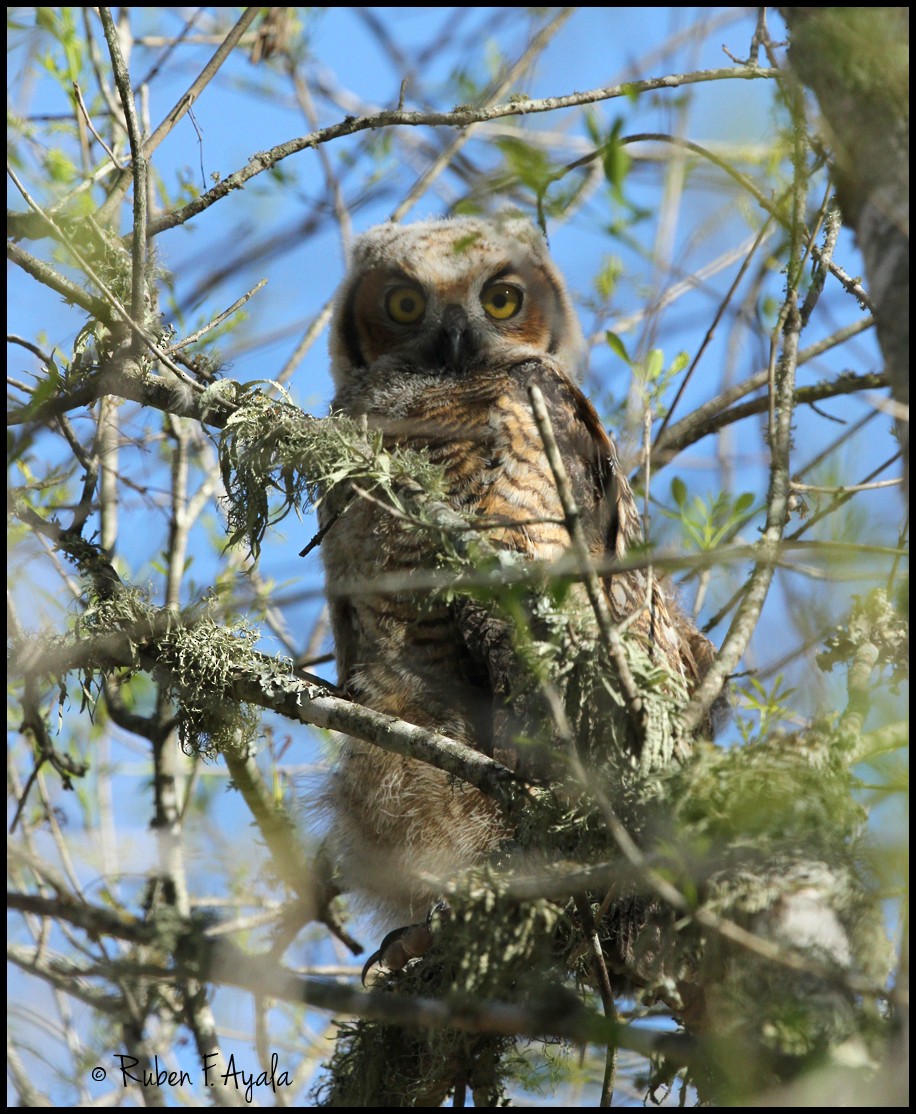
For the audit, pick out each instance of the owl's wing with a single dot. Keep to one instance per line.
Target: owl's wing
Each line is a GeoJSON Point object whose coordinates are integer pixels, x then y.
{"type": "Point", "coordinates": [648, 605]}
{"type": "Point", "coordinates": [613, 530]}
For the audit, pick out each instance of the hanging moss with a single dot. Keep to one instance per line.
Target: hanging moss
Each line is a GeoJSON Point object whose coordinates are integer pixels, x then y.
{"type": "Point", "coordinates": [487, 948]}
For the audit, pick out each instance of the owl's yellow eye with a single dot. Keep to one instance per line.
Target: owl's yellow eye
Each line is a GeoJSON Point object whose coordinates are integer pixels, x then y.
{"type": "Point", "coordinates": [405, 304]}
{"type": "Point", "coordinates": [501, 300]}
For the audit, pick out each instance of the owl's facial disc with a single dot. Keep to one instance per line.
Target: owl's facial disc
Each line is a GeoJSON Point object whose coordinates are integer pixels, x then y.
{"type": "Point", "coordinates": [398, 308]}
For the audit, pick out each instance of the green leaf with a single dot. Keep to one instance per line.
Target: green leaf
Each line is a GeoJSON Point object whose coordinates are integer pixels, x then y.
{"type": "Point", "coordinates": [593, 127]}
{"type": "Point", "coordinates": [617, 346]}
{"type": "Point", "coordinates": [60, 168]}
{"type": "Point", "coordinates": [679, 491]}
{"type": "Point", "coordinates": [526, 162]}
{"type": "Point", "coordinates": [46, 388]}
{"type": "Point", "coordinates": [606, 279]}
{"type": "Point", "coordinates": [616, 163]}
{"type": "Point", "coordinates": [654, 364]}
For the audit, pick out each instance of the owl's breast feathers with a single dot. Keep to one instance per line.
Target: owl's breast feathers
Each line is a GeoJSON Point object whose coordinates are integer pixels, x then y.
{"type": "Point", "coordinates": [451, 667]}
{"type": "Point", "coordinates": [498, 471]}
{"type": "Point", "coordinates": [480, 428]}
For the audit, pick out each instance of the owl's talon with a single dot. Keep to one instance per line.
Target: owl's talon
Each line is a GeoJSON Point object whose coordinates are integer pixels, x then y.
{"type": "Point", "coordinates": [401, 945]}
{"type": "Point", "coordinates": [367, 966]}
{"type": "Point", "coordinates": [440, 908]}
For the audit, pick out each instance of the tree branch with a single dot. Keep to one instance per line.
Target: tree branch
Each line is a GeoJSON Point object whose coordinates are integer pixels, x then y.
{"type": "Point", "coordinates": [257, 679]}
{"type": "Point", "coordinates": [460, 117]}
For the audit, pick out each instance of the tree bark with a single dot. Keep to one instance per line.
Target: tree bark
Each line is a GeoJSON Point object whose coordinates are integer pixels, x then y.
{"type": "Point", "coordinates": [856, 62]}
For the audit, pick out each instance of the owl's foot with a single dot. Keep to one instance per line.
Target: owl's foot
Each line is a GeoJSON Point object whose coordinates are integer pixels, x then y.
{"type": "Point", "coordinates": [401, 945]}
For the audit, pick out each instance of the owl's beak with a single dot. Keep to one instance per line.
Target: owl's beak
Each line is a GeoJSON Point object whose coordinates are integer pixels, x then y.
{"type": "Point", "coordinates": [454, 342]}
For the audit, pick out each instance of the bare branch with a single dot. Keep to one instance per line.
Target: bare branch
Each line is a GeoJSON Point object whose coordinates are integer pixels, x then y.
{"type": "Point", "coordinates": [184, 103]}
{"type": "Point", "coordinates": [460, 117]}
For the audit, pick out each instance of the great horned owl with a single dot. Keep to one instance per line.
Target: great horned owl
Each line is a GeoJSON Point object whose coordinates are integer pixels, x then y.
{"type": "Point", "coordinates": [438, 329]}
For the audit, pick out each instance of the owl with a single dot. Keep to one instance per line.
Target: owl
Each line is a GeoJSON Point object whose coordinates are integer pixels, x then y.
{"type": "Point", "coordinates": [438, 329]}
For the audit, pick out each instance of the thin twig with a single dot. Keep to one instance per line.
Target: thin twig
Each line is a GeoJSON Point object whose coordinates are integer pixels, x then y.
{"type": "Point", "coordinates": [183, 104]}
{"type": "Point", "coordinates": [321, 534]}
{"type": "Point", "coordinates": [82, 107]}
{"type": "Point", "coordinates": [312, 333]}
{"type": "Point", "coordinates": [710, 332]}
{"type": "Point", "coordinates": [171, 44]}
{"type": "Point", "coordinates": [218, 320]}
{"type": "Point", "coordinates": [139, 170]}
{"type": "Point", "coordinates": [845, 489]}
{"type": "Point", "coordinates": [782, 410]}
{"type": "Point", "coordinates": [844, 496]}
{"type": "Point", "coordinates": [445, 157]}
{"type": "Point", "coordinates": [332, 181]}
{"type": "Point", "coordinates": [12, 338]}
{"type": "Point", "coordinates": [688, 283]}
{"type": "Point", "coordinates": [647, 506]}
{"type": "Point", "coordinates": [851, 285]}
{"type": "Point", "coordinates": [607, 995]}
{"type": "Point", "coordinates": [708, 417]}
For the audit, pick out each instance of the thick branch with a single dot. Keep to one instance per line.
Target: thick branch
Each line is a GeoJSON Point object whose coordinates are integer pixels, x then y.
{"type": "Point", "coordinates": [51, 278]}
{"type": "Point", "coordinates": [257, 680]}
{"type": "Point", "coordinates": [857, 62]}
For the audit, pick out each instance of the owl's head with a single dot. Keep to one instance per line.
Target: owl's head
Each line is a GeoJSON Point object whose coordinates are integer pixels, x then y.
{"type": "Point", "coordinates": [452, 298]}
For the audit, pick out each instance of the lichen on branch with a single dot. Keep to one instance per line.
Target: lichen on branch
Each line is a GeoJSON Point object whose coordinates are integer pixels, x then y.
{"type": "Point", "coordinates": [269, 445]}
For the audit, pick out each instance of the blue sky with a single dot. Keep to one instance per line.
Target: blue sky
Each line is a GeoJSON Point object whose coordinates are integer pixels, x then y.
{"type": "Point", "coordinates": [246, 110]}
